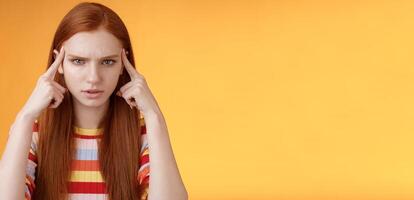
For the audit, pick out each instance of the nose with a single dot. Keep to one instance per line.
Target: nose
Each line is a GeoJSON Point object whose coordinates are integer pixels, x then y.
{"type": "Point", "coordinates": [93, 74]}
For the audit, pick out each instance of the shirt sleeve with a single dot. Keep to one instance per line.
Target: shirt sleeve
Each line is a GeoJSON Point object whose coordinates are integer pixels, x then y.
{"type": "Point", "coordinates": [32, 163]}
{"type": "Point", "coordinates": [144, 169]}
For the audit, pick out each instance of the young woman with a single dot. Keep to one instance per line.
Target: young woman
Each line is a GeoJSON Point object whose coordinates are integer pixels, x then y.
{"type": "Point", "coordinates": [91, 127]}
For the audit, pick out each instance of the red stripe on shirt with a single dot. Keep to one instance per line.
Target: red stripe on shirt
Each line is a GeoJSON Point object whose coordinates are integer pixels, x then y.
{"type": "Point", "coordinates": [143, 129]}
{"type": "Point", "coordinates": [35, 127]}
{"type": "Point", "coordinates": [32, 157]}
{"type": "Point", "coordinates": [87, 187]}
{"type": "Point", "coordinates": [76, 135]}
{"type": "Point", "coordinates": [144, 159]}
{"type": "Point", "coordinates": [85, 165]}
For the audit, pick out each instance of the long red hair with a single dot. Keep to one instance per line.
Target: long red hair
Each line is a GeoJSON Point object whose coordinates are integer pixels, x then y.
{"type": "Point", "coordinates": [118, 148]}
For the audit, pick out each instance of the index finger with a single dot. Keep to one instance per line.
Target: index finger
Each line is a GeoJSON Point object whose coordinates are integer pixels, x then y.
{"type": "Point", "coordinates": [133, 73]}
{"type": "Point", "coordinates": [55, 65]}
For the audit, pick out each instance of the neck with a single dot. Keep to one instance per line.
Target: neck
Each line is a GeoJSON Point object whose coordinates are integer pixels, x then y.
{"type": "Point", "coordinates": [89, 117]}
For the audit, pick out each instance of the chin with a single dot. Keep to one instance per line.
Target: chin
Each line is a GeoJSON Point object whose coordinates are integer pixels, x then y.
{"type": "Point", "coordinates": [92, 103]}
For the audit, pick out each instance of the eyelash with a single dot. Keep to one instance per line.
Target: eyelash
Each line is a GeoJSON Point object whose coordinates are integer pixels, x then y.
{"type": "Point", "coordinates": [72, 60]}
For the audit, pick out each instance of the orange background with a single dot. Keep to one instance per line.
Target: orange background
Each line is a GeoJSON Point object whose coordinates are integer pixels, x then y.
{"type": "Point", "coordinates": [263, 99]}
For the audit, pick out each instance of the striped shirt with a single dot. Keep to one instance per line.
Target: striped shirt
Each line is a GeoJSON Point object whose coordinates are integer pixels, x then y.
{"type": "Point", "coordinates": [86, 181]}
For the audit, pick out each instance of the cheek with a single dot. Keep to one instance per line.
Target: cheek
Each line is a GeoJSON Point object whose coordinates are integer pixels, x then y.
{"type": "Point", "coordinates": [72, 83]}
{"type": "Point", "coordinates": [111, 78]}
{"type": "Point", "coordinates": [112, 72]}
{"type": "Point", "coordinates": [72, 77]}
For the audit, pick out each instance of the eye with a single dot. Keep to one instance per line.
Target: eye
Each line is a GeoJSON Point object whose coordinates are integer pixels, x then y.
{"type": "Point", "coordinates": [110, 62]}
{"type": "Point", "coordinates": [76, 61]}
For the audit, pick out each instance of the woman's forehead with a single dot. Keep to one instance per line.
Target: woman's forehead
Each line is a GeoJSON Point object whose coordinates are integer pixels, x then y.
{"type": "Point", "coordinates": [92, 44]}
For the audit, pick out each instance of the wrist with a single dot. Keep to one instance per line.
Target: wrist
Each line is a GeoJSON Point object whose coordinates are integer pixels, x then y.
{"type": "Point", "coordinates": [151, 113]}
{"type": "Point", "coordinates": [24, 115]}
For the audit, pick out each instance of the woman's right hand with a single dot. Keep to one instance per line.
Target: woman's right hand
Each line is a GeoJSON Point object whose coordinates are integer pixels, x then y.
{"type": "Point", "coordinates": [47, 93]}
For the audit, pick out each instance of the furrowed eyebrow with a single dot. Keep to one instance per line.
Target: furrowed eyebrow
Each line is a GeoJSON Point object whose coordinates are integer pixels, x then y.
{"type": "Point", "coordinates": [110, 56]}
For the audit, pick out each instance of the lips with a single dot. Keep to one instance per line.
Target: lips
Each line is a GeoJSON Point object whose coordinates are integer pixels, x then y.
{"type": "Point", "coordinates": [92, 91]}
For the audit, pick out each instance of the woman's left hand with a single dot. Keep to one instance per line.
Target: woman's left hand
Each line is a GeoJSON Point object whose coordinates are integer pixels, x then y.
{"type": "Point", "coordinates": [136, 92]}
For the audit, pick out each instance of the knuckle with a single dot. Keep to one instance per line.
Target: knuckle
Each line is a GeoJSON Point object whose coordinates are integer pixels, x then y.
{"type": "Point", "coordinates": [50, 92]}
{"type": "Point", "coordinates": [49, 87]}
{"type": "Point", "coordinates": [42, 78]}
